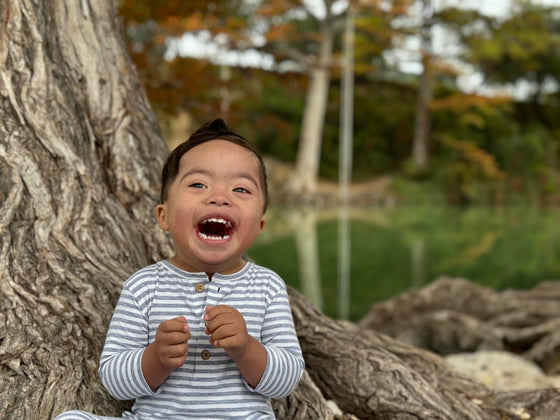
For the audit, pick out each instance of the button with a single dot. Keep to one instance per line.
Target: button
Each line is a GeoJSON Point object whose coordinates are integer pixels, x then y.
{"type": "Point", "coordinates": [199, 287]}
{"type": "Point", "coordinates": [205, 354]}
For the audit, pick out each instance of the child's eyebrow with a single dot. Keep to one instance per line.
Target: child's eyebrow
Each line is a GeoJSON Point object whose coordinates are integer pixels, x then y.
{"type": "Point", "coordinates": [239, 175]}
{"type": "Point", "coordinates": [194, 171]}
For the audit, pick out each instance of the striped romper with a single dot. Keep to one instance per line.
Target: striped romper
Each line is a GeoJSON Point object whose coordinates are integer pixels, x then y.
{"type": "Point", "coordinates": [209, 384]}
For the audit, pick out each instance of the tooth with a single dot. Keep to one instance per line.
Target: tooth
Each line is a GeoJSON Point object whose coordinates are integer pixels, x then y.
{"type": "Point", "coordinates": [216, 220]}
{"type": "Point", "coordinates": [216, 238]}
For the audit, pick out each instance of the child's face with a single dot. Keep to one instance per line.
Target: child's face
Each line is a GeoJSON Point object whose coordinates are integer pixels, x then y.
{"type": "Point", "coordinates": [214, 209]}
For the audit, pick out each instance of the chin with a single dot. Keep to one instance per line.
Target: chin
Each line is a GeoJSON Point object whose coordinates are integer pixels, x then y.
{"type": "Point", "coordinates": [216, 264]}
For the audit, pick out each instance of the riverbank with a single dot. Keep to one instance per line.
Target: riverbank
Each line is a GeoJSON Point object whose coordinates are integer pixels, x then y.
{"type": "Point", "coordinates": [391, 190]}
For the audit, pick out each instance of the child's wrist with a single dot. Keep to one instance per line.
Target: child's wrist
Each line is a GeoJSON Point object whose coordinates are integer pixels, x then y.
{"type": "Point", "coordinates": [246, 350]}
{"type": "Point", "coordinates": [153, 369]}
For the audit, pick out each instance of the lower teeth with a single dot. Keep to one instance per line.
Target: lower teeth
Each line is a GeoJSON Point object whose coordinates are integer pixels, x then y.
{"type": "Point", "coordinates": [213, 237]}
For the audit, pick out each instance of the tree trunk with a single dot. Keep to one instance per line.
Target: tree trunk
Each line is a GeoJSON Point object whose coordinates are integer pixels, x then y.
{"type": "Point", "coordinates": [80, 153]}
{"type": "Point", "coordinates": [311, 136]}
{"type": "Point", "coordinates": [455, 315]}
{"type": "Point", "coordinates": [374, 376]}
{"type": "Point", "coordinates": [422, 126]}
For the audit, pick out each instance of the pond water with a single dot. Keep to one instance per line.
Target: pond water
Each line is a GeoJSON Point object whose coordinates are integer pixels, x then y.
{"type": "Point", "coordinates": [344, 260]}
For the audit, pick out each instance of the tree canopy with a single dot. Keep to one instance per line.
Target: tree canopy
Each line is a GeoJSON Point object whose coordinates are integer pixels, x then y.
{"type": "Point", "coordinates": [267, 102]}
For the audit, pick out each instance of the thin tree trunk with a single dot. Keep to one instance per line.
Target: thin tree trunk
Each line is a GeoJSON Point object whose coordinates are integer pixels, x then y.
{"type": "Point", "coordinates": [422, 127]}
{"type": "Point", "coordinates": [311, 136]}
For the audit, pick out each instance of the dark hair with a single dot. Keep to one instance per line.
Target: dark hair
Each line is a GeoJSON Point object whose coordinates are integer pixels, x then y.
{"type": "Point", "coordinates": [212, 130]}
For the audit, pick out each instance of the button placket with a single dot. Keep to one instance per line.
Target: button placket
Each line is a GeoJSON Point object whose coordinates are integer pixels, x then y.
{"type": "Point", "coordinates": [199, 341]}
{"type": "Point", "coordinates": [212, 299]}
{"type": "Point", "coordinates": [215, 294]}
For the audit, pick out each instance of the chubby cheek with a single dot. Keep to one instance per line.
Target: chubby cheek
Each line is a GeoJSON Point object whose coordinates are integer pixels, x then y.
{"type": "Point", "coordinates": [180, 221]}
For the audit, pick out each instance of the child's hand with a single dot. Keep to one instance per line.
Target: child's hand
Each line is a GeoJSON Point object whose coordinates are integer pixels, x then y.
{"type": "Point", "coordinates": [227, 329]}
{"type": "Point", "coordinates": [171, 343]}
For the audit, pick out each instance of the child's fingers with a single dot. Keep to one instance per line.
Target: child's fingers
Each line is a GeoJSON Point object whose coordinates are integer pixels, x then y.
{"type": "Point", "coordinates": [210, 312]}
{"type": "Point", "coordinates": [175, 324]}
{"type": "Point", "coordinates": [218, 321]}
{"type": "Point", "coordinates": [175, 355]}
{"type": "Point", "coordinates": [219, 313]}
{"type": "Point", "coordinates": [223, 332]}
{"type": "Point", "coordinates": [228, 336]}
{"type": "Point", "coordinates": [225, 342]}
{"type": "Point", "coordinates": [178, 350]}
{"type": "Point", "coordinates": [173, 331]}
{"type": "Point", "coordinates": [182, 323]}
{"type": "Point", "coordinates": [214, 311]}
{"type": "Point", "coordinates": [173, 338]}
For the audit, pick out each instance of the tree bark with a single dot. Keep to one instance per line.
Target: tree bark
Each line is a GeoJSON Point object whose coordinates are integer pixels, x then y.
{"type": "Point", "coordinates": [80, 153]}
{"type": "Point", "coordinates": [306, 402]}
{"type": "Point", "coordinates": [456, 315]}
{"type": "Point", "coordinates": [374, 376]}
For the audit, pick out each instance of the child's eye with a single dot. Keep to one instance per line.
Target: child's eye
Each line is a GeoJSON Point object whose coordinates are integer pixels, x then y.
{"type": "Point", "coordinates": [242, 190]}
{"type": "Point", "coordinates": [197, 185]}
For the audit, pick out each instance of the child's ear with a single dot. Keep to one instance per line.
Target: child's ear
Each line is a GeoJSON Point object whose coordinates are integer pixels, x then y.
{"type": "Point", "coordinates": [263, 222]}
{"type": "Point", "coordinates": [161, 215]}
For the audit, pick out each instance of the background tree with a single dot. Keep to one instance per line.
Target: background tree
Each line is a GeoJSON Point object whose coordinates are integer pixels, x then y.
{"type": "Point", "coordinates": [291, 97]}
{"type": "Point", "coordinates": [423, 120]}
{"type": "Point", "coordinates": [268, 103]}
{"type": "Point", "coordinates": [181, 83]}
{"type": "Point", "coordinates": [524, 48]}
{"type": "Point", "coordinates": [311, 135]}
{"type": "Point", "coordinates": [517, 50]}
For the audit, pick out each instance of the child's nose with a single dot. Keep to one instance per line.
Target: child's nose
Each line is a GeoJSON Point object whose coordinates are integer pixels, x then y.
{"type": "Point", "coordinates": [219, 202]}
{"type": "Point", "coordinates": [219, 198]}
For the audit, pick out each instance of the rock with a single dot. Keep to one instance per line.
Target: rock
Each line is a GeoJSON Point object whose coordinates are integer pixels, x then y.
{"type": "Point", "coordinates": [502, 371]}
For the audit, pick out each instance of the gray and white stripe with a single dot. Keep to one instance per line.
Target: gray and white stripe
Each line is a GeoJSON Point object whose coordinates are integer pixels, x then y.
{"type": "Point", "coordinates": [210, 388]}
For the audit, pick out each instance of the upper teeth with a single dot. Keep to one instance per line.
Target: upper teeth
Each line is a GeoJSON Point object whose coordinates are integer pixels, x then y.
{"type": "Point", "coordinates": [215, 220]}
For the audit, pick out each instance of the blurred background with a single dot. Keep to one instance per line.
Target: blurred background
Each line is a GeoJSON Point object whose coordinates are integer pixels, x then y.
{"type": "Point", "coordinates": [404, 139]}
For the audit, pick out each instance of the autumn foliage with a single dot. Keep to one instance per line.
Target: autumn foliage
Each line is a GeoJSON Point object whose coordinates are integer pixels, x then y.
{"type": "Point", "coordinates": [479, 138]}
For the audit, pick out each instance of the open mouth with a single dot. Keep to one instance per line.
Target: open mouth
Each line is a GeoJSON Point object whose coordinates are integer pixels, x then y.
{"type": "Point", "coordinates": [215, 229]}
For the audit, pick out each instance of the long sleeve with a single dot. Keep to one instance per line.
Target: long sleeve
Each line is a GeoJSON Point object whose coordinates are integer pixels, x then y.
{"type": "Point", "coordinates": [120, 367]}
{"type": "Point", "coordinates": [285, 362]}
{"type": "Point", "coordinates": [209, 384]}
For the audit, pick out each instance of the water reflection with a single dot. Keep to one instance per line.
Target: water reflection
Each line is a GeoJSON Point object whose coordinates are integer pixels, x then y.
{"type": "Point", "coordinates": [418, 257]}
{"type": "Point", "coordinates": [305, 227]}
{"type": "Point", "coordinates": [346, 259]}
